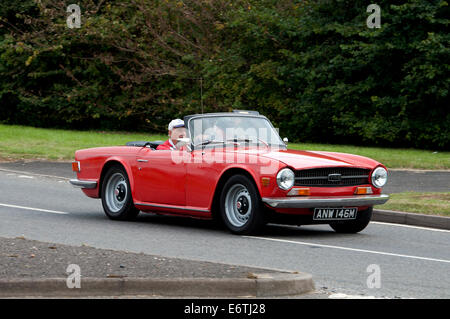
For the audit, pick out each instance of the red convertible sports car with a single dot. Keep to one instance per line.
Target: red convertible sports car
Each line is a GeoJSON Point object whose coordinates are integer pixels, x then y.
{"type": "Point", "coordinates": [236, 168]}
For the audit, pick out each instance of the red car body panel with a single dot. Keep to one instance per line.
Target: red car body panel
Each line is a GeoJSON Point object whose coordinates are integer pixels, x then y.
{"type": "Point", "coordinates": [160, 184]}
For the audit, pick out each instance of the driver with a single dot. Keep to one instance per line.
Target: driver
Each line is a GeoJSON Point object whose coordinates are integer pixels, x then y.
{"type": "Point", "coordinates": [176, 130]}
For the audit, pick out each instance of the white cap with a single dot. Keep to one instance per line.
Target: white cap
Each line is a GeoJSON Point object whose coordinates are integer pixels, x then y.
{"type": "Point", "coordinates": [176, 123]}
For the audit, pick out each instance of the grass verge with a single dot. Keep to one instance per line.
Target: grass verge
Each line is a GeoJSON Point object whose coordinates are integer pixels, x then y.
{"type": "Point", "coordinates": [432, 203]}
{"type": "Point", "coordinates": [22, 142]}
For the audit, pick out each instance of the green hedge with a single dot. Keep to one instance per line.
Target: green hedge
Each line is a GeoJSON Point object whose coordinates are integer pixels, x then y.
{"type": "Point", "coordinates": [313, 67]}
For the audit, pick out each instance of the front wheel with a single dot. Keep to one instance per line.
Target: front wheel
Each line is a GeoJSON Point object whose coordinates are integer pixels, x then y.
{"type": "Point", "coordinates": [354, 226]}
{"type": "Point", "coordinates": [116, 195]}
{"type": "Point", "coordinates": [240, 206]}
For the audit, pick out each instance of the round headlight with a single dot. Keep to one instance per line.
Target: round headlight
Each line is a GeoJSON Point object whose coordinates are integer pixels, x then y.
{"type": "Point", "coordinates": [379, 177]}
{"type": "Point", "coordinates": [285, 178]}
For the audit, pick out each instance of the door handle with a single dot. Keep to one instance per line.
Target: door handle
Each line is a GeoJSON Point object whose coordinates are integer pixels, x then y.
{"type": "Point", "coordinates": [142, 160]}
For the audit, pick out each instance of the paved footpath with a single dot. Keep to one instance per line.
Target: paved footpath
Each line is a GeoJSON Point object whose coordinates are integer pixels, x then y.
{"type": "Point", "coordinates": [23, 258]}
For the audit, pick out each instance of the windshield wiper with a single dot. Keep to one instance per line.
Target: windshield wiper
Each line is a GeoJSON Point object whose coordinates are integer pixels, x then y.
{"type": "Point", "coordinates": [204, 143]}
{"type": "Point", "coordinates": [247, 140]}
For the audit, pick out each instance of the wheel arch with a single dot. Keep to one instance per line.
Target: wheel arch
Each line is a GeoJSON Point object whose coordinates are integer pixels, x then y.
{"type": "Point", "coordinates": [107, 165]}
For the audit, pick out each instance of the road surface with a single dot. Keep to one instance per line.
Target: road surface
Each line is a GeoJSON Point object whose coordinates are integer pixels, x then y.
{"type": "Point", "coordinates": [413, 262]}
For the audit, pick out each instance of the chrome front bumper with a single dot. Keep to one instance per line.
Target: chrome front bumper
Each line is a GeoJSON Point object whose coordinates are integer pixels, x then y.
{"type": "Point", "coordinates": [83, 184]}
{"type": "Point", "coordinates": [326, 201]}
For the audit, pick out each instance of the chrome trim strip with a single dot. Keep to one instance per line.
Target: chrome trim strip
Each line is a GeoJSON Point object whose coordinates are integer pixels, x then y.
{"type": "Point", "coordinates": [173, 207]}
{"type": "Point", "coordinates": [326, 201]}
{"type": "Point", "coordinates": [83, 184]}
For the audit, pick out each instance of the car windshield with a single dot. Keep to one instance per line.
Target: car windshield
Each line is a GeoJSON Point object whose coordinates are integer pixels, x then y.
{"type": "Point", "coordinates": [217, 131]}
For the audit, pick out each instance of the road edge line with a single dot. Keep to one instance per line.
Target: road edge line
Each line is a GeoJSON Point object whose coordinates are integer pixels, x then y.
{"type": "Point", "coordinates": [33, 174]}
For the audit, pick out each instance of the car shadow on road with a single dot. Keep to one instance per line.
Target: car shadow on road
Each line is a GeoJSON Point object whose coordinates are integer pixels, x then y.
{"type": "Point", "coordinates": [297, 231]}
{"type": "Point", "coordinates": [209, 225]}
{"type": "Point", "coordinates": [179, 221]}
{"type": "Point", "coordinates": [270, 230]}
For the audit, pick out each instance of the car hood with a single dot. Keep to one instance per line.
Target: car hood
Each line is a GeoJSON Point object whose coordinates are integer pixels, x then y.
{"type": "Point", "coordinates": [313, 159]}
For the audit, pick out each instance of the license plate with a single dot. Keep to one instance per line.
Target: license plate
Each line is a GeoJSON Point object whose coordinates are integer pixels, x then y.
{"type": "Point", "coordinates": [335, 213]}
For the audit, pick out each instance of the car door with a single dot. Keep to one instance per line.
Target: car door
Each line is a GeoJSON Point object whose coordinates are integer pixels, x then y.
{"type": "Point", "coordinates": [159, 179]}
{"type": "Point", "coordinates": [202, 174]}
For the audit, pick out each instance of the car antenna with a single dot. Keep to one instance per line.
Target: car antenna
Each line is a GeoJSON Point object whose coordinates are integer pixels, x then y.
{"type": "Point", "coordinates": [201, 93]}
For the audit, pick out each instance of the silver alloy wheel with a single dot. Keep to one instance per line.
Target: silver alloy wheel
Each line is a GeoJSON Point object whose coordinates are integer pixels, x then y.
{"type": "Point", "coordinates": [238, 205]}
{"type": "Point", "coordinates": [116, 192]}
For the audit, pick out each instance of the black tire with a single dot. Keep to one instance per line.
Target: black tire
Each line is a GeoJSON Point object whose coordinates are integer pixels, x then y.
{"type": "Point", "coordinates": [248, 216]}
{"type": "Point", "coordinates": [122, 208]}
{"type": "Point", "coordinates": [354, 226]}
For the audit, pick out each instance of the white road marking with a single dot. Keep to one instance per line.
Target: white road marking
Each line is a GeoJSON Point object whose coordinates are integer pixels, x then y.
{"type": "Point", "coordinates": [35, 209]}
{"type": "Point", "coordinates": [345, 296]}
{"type": "Point", "coordinates": [26, 176]}
{"type": "Point", "coordinates": [411, 226]}
{"type": "Point", "coordinates": [349, 249]}
{"type": "Point", "coordinates": [13, 172]}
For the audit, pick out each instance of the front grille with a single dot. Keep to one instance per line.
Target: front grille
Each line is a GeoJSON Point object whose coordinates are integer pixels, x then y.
{"type": "Point", "coordinates": [349, 176]}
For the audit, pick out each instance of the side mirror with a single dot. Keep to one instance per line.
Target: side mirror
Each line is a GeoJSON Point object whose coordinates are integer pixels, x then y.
{"type": "Point", "coordinates": [285, 140]}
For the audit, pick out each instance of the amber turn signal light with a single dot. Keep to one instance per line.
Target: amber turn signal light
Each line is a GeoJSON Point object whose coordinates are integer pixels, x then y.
{"type": "Point", "coordinates": [363, 190]}
{"type": "Point", "coordinates": [265, 181]}
{"type": "Point", "coordinates": [76, 166]}
{"type": "Point", "coordinates": [299, 192]}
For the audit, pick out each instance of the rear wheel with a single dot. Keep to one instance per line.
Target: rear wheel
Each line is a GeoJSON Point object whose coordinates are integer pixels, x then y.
{"type": "Point", "coordinates": [116, 195]}
{"type": "Point", "coordinates": [354, 226]}
{"type": "Point", "coordinates": [240, 206]}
